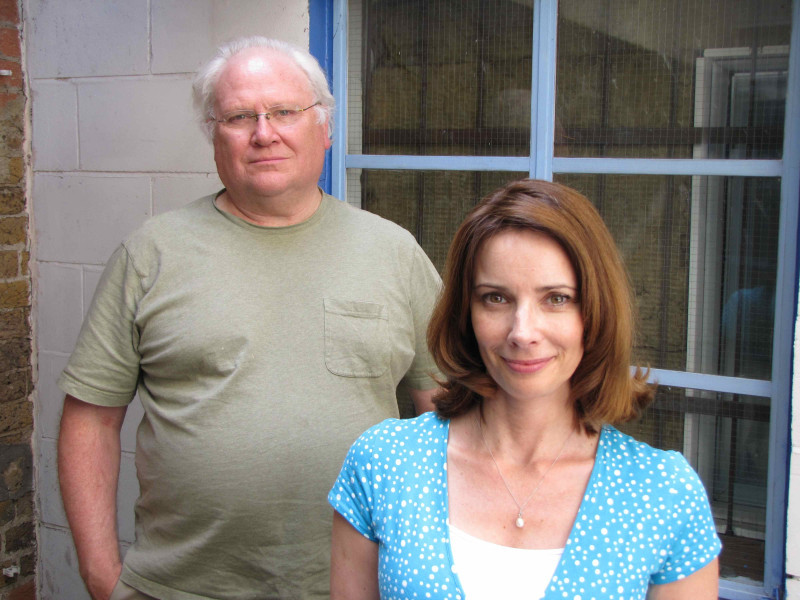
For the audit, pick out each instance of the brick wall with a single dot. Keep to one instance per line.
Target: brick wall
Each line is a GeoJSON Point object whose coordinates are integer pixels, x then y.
{"type": "Point", "coordinates": [17, 537]}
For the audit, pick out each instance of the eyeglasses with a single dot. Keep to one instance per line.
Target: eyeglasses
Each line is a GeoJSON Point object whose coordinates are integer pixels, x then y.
{"type": "Point", "coordinates": [278, 116]}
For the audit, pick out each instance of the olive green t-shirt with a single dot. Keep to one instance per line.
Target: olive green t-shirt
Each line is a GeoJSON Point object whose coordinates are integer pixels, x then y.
{"type": "Point", "coordinates": [259, 355]}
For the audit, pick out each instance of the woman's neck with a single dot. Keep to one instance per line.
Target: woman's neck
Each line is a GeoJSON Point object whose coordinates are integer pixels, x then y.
{"type": "Point", "coordinates": [523, 435]}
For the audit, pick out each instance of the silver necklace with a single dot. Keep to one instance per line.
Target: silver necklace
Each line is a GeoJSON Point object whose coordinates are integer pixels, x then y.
{"type": "Point", "coordinates": [520, 522]}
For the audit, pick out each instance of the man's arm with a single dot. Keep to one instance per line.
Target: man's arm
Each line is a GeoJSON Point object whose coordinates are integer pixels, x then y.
{"type": "Point", "coordinates": [88, 470]}
{"type": "Point", "coordinates": [423, 399]}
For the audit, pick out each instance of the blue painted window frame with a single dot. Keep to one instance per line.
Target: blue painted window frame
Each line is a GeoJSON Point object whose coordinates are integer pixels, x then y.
{"type": "Point", "coordinates": [328, 42]}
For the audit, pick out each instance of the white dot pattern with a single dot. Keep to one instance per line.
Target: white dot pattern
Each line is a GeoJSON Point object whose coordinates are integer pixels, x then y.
{"type": "Point", "coordinates": [644, 517]}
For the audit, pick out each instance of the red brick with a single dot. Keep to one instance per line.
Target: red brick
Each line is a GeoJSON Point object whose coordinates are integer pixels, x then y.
{"type": "Point", "coordinates": [26, 591]}
{"type": "Point", "coordinates": [9, 264]}
{"type": "Point", "coordinates": [9, 42]}
{"type": "Point", "coordinates": [17, 416]}
{"type": "Point", "coordinates": [14, 324]}
{"type": "Point", "coordinates": [14, 294]}
{"type": "Point", "coordinates": [14, 354]}
{"type": "Point", "coordinates": [15, 385]}
{"type": "Point", "coordinates": [9, 11]}
{"type": "Point", "coordinates": [13, 230]}
{"type": "Point", "coordinates": [16, 100]}
{"type": "Point", "coordinates": [15, 79]}
{"type": "Point", "coordinates": [12, 200]}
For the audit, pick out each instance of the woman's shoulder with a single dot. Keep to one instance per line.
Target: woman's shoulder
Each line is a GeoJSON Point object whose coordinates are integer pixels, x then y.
{"type": "Point", "coordinates": [624, 454]}
{"type": "Point", "coordinates": [399, 434]}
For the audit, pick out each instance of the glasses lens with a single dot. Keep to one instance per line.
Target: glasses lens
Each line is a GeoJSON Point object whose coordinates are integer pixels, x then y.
{"type": "Point", "coordinates": [278, 116]}
{"type": "Point", "coordinates": [284, 115]}
{"type": "Point", "coordinates": [241, 119]}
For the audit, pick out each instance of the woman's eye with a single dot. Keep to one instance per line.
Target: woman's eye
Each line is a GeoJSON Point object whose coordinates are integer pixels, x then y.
{"type": "Point", "coordinates": [559, 299]}
{"type": "Point", "coordinates": [493, 299]}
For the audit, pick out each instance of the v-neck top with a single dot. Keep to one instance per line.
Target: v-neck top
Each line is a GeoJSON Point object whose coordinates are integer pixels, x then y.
{"type": "Point", "coordinates": [644, 518]}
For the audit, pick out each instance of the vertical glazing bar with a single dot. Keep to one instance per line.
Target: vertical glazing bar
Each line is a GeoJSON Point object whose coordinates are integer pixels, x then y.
{"type": "Point", "coordinates": [543, 88]}
{"type": "Point", "coordinates": [320, 44]}
{"type": "Point", "coordinates": [786, 296]}
{"type": "Point", "coordinates": [339, 147]}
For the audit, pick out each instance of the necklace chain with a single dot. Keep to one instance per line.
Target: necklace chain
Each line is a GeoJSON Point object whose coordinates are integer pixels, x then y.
{"type": "Point", "coordinates": [520, 522]}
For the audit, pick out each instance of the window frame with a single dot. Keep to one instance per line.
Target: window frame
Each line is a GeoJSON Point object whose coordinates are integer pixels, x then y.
{"type": "Point", "coordinates": [328, 35]}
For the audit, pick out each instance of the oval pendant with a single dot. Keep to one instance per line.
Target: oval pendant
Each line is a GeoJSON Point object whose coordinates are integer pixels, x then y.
{"type": "Point", "coordinates": [520, 522]}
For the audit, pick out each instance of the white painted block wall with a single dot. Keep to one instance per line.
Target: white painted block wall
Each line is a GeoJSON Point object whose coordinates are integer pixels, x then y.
{"type": "Point", "coordinates": [114, 141]}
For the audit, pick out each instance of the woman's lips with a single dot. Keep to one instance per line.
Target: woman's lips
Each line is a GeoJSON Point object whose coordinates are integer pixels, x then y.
{"type": "Point", "coordinates": [527, 366]}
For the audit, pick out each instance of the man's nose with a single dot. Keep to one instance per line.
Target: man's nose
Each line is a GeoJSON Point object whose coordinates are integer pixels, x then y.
{"type": "Point", "coordinates": [265, 130]}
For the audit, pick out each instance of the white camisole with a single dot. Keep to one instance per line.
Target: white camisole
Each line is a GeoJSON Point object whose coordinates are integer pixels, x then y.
{"type": "Point", "coordinates": [489, 571]}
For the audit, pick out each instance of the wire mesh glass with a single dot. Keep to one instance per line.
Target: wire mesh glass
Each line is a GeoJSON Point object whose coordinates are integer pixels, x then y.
{"type": "Point", "coordinates": [677, 79]}
{"type": "Point", "coordinates": [725, 437]}
{"type": "Point", "coordinates": [440, 77]}
{"type": "Point", "coordinates": [702, 254]}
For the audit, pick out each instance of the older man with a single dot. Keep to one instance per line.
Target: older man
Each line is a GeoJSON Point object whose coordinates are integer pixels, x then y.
{"type": "Point", "coordinates": [264, 328]}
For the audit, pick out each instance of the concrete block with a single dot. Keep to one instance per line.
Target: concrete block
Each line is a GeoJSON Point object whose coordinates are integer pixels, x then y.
{"type": "Point", "coordinates": [793, 517]}
{"type": "Point", "coordinates": [82, 219]}
{"type": "Point", "coordinates": [141, 125]}
{"type": "Point", "coordinates": [793, 589]}
{"type": "Point", "coordinates": [55, 126]}
{"type": "Point", "coordinates": [50, 399]}
{"type": "Point", "coordinates": [181, 32]}
{"type": "Point", "coordinates": [50, 505]}
{"type": "Point", "coordinates": [127, 493]}
{"type": "Point", "coordinates": [132, 419]}
{"type": "Point", "coordinates": [91, 277]}
{"type": "Point", "coordinates": [173, 192]}
{"type": "Point", "coordinates": [59, 294]}
{"type": "Point", "coordinates": [186, 32]}
{"type": "Point", "coordinates": [87, 37]}
{"type": "Point", "coordinates": [58, 566]}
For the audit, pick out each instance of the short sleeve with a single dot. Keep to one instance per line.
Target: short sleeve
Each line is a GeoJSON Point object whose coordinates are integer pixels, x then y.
{"type": "Point", "coordinates": [695, 542]}
{"type": "Point", "coordinates": [425, 286]}
{"type": "Point", "coordinates": [351, 495]}
{"type": "Point", "coordinates": [104, 367]}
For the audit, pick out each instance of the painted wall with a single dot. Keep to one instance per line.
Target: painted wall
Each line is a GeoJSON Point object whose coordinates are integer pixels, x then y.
{"type": "Point", "coordinates": [114, 141]}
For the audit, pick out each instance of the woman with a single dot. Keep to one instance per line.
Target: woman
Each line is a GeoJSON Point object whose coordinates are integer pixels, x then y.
{"type": "Point", "coordinates": [518, 486]}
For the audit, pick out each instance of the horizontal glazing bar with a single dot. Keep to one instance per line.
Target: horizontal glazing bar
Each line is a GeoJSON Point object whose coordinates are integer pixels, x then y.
{"type": "Point", "coordinates": [437, 163]}
{"type": "Point", "coordinates": [674, 166]}
{"type": "Point", "coordinates": [714, 383]}
{"type": "Point", "coordinates": [670, 166]}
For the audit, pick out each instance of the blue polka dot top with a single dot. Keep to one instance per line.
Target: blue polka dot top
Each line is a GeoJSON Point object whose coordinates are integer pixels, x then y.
{"type": "Point", "coordinates": [644, 518]}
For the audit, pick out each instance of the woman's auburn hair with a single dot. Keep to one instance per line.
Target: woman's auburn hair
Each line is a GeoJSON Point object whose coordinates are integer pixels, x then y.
{"type": "Point", "coordinates": [603, 388]}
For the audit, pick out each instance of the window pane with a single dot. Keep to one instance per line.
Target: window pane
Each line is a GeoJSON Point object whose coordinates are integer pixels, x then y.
{"type": "Point", "coordinates": [657, 79]}
{"type": "Point", "coordinates": [702, 255]}
{"type": "Point", "coordinates": [440, 77]}
{"type": "Point", "coordinates": [429, 204]}
{"type": "Point", "coordinates": [726, 439]}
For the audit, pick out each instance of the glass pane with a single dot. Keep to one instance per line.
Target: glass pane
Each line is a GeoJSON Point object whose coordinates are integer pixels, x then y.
{"type": "Point", "coordinates": [440, 77]}
{"type": "Point", "coordinates": [655, 79]}
{"type": "Point", "coordinates": [726, 439]}
{"type": "Point", "coordinates": [429, 204]}
{"type": "Point", "coordinates": [702, 255]}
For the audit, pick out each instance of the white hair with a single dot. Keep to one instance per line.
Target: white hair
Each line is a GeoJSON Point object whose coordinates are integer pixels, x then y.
{"type": "Point", "coordinates": [204, 86]}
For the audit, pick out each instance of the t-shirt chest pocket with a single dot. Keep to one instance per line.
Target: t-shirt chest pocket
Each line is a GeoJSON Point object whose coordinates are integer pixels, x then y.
{"type": "Point", "coordinates": [356, 338]}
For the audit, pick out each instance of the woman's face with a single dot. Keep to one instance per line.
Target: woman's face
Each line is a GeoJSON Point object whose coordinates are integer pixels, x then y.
{"type": "Point", "coordinates": [526, 315]}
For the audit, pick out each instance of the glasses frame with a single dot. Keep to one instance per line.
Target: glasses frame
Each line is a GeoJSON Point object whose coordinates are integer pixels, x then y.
{"type": "Point", "coordinates": [267, 115]}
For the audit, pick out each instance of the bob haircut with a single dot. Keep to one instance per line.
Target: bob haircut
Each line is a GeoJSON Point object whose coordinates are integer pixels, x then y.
{"type": "Point", "coordinates": [603, 388]}
{"type": "Point", "coordinates": [204, 86]}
